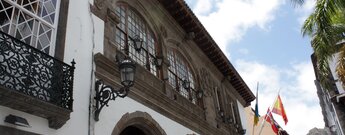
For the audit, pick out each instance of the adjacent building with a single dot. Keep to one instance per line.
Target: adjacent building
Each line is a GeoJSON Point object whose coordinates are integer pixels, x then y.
{"type": "Point", "coordinates": [332, 101]}
{"type": "Point", "coordinates": [66, 66]}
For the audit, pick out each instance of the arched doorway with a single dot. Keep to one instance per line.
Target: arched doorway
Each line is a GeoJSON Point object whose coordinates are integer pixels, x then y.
{"type": "Point", "coordinates": [132, 130]}
{"type": "Point", "coordinates": [137, 123]}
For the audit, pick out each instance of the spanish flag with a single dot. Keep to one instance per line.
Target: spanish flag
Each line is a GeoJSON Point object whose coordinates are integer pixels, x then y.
{"type": "Point", "coordinates": [278, 108]}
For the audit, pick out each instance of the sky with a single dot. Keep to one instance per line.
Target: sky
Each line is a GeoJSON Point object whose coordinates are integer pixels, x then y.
{"type": "Point", "coordinates": [263, 40]}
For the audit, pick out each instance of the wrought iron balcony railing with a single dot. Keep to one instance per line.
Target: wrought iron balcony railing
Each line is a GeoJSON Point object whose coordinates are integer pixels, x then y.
{"type": "Point", "coordinates": [27, 70]}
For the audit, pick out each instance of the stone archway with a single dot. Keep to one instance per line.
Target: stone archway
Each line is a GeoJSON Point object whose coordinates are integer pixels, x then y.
{"type": "Point", "coordinates": [139, 122]}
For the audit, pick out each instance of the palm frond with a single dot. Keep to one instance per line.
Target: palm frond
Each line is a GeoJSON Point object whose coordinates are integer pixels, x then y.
{"type": "Point", "coordinates": [297, 2]}
{"type": "Point", "coordinates": [326, 26]}
{"type": "Point", "coordinates": [308, 27]}
{"type": "Point", "coordinates": [323, 52]}
{"type": "Point", "coordinates": [340, 4]}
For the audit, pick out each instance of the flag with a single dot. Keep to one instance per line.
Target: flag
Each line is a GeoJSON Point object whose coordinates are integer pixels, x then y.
{"type": "Point", "coordinates": [278, 108]}
{"type": "Point", "coordinates": [256, 116]}
{"type": "Point", "coordinates": [269, 118]}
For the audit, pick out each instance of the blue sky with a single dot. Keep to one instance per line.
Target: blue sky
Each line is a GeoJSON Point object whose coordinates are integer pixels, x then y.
{"type": "Point", "coordinates": [263, 41]}
{"type": "Point", "coordinates": [279, 44]}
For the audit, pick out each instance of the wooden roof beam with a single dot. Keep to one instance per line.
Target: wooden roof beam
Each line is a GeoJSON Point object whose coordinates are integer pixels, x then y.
{"type": "Point", "coordinates": [204, 45]}
{"type": "Point", "coordinates": [200, 39]}
{"type": "Point", "coordinates": [214, 52]}
{"type": "Point", "coordinates": [183, 18]}
{"type": "Point", "coordinates": [236, 84]}
{"type": "Point", "coordinates": [219, 62]}
{"type": "Point", "coordinates": [177, 11]}
{"type": "Point", "coordinates": [171, 5]}
{"type": "Point", "coordinates": [188, 24]}
{"type": "Point", "coordinates": [191, 28]}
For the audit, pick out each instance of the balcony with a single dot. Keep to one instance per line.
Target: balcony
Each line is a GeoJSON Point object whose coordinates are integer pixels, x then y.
{"type": "Point", "coordinates": [34, 82]}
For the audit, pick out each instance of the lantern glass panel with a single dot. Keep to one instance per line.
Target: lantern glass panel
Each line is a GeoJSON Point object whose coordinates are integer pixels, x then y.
{"type": "Point", "coordinates": [186, 84]}
{"type": "Point", "coordinates": [159, 61]}
{"type": "Point", "coordinates": [138, 45]}
{"type": "Point", "coordinates": [127, 70]}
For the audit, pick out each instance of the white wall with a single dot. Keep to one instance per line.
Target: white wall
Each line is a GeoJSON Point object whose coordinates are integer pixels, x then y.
{"type": "Point", "coordinates": [109, 116]}
{"type": "Point", "coordinates": [332, 66]}
{"type": "Point", "coordinates": [38, 125]}
{"type": "Point", "coordinates": [81, 40]}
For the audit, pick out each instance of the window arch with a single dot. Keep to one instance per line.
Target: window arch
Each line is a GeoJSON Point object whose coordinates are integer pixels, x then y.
{"type": "Point", "coordinates": [178, 72]}
{"type": "Point", "coordinates": [131, 25]}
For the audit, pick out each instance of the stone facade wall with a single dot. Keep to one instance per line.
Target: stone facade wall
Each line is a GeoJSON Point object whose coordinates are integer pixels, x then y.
{"type": "Point", "coordinates": [156, 92]}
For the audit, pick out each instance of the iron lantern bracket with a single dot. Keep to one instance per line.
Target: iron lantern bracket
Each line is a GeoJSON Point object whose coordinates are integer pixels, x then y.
{"type": "Point", "coordinates": [105, 93]}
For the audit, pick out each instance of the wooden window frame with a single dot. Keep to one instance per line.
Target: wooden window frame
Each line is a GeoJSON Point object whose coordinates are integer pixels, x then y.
{"type": "Point", "coordinates": [145, 58]}
{"type": "Point", "coordinates": [176, 59]}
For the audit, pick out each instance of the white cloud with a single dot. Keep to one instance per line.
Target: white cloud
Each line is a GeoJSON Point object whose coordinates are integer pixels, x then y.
{"type": "Point", "coordinates": [228, 20]}
{"type": "Point", "coordinates": [253, 72]}
{"type": "Point", "coordinates": [203, 7]}
{"type": "Point", "coordinates": [298, 92]}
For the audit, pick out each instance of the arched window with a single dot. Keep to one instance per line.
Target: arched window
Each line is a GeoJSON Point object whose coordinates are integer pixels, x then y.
{"type": "Point", "coordinates": [31, 21]}
{"type": "Point", "coordinates": [130, 26]}
{"type": "Point", "coordinates": [178, 72]}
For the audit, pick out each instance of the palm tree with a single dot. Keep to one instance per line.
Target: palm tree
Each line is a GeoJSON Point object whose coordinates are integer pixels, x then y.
{"type": "Point", "coordinates": [326, 26]}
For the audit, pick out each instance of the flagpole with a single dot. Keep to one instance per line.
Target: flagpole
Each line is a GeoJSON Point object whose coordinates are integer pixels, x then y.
{"type": "Point", "coordinates": [263, 121]}
{"type": "Point", "coordinates": [257, 95]}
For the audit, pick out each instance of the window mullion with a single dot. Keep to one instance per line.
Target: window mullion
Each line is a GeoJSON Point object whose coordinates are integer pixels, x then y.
{"type": "Point", "coordinates": [30, 13]}
{"type": "Point", "coordinates": [126, 31]}
{"type": "Point", "coordinates": [177, 83]}
{"type": "Point", "coordinates": [147, 58]}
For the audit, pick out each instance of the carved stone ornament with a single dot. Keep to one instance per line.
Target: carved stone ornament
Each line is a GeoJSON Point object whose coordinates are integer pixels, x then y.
{"type": "Point", "coordinates": [99, 3]}
{"type": "Point", "coordinates": [164, 31]}
{"type": "Point", "coordinates": [206, 83]}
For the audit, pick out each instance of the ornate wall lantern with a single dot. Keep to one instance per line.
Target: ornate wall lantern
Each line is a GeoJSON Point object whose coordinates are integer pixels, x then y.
{"type": "Point", "coordinates": [158, 61]}
{"type": "Point", "coordinates": [229, 120]}
{"type": "Point", "coordinates": [104, 93]}
{"type": "Point", "coordinates": [200, 94]}
{"type": "Point", "coordinates": [138, 43]}
{"type": "Point", "coordinates": [186, 84]}
{"type": "Point", "coordinates": [221, 113]}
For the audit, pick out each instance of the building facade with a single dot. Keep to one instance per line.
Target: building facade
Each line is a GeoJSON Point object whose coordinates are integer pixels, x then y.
{"type": "Point", "coordinates": [332, 101]}
{"type": "Point", "coordinates": [61, 60]}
